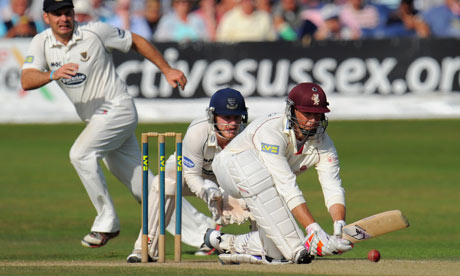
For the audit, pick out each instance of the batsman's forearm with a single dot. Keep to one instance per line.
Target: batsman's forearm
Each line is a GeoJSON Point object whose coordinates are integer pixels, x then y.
{"type": "Point", "coordinates": [302, 215]}
{"type": "Point", "coordinates": [337, 212]}
{"type": "Point", "coordinates": [33, 79]}
{"type": "Point", "coordinates": [150, 52]}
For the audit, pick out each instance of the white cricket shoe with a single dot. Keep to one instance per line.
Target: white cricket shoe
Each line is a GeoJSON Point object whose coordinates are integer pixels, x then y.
{"type": "Point", "coordinates": [97, 239]}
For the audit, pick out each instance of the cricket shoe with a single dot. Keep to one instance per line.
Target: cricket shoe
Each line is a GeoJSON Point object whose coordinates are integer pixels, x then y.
{"type": "Point", "coordinates": [223, 243]}
{"type": "Point", "coordinates": [304, 257]}
{"type": "Point", "coordinates": [205, 250]}
{"type": "Point", "coordinates": [136, 257]}
{"type": "Point", "coordinates": [97, 239]}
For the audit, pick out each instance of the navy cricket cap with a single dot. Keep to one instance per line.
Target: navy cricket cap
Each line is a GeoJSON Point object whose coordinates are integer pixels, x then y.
{"type": "Point", "coordinates": [52, 5]}
{"type": "Point", "coordinates": [228, 101]}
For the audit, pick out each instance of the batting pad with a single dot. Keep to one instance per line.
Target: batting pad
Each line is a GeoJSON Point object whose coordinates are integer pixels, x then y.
{"type": "Point", "coordinates": [281, 237]}
{"type": "Point", "coordinates": [233, 259]}
{"type": "Point", "coordinates": [226, 259]}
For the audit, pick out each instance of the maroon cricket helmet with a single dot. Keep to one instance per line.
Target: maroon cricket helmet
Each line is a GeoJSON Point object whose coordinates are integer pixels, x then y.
{"type": "Point", "coordinates": [309, 97]}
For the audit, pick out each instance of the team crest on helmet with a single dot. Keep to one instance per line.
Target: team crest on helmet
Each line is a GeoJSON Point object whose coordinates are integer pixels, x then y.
{"type": "Point", "coordinates": [315, 99]}
{"type": "Point", "coordinates": [232, 103]}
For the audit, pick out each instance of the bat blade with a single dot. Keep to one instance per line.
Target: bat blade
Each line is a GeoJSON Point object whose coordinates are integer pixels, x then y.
{"type": "Point", "coordinates": [374, 226]}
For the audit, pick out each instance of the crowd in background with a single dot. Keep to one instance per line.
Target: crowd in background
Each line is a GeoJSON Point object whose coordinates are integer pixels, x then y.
{"type": "Point", "coordinates": [250, 20]}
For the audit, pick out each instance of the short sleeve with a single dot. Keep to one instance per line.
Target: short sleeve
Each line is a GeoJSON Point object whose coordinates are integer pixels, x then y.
{"type": "Point", "coordinates": [113, 37]}
{"type": "Point", "coordinates": [36, 54]}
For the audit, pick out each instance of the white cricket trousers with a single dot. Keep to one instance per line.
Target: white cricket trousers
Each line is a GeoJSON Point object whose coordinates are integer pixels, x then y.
{"type": "Point", "coordinates": [109, 136]}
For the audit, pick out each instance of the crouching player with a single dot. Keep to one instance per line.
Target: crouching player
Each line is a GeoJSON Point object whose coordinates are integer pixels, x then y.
{"type": "Point", "coordinates": [204, 139]}
{"type": "Point", "coordinates": [261, 165]}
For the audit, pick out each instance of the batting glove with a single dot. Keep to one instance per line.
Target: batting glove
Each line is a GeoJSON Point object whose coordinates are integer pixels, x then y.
{"type": "Point", "coordinates": [319, 243]}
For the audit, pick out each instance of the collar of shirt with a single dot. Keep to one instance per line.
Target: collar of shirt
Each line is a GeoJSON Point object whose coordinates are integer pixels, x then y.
{"type": "Point", "coordinates": [76, 36]}
{"type": "Point", "coordinates": [289, 132]}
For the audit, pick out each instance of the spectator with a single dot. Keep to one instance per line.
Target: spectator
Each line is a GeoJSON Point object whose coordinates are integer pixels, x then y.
{"type": "Point", "coordinates": [181, 24]}
{"type": "Point", "coordinates": [264, 5]}
{"type": "Point", "coordinates": [287, 19]}
{"type": "Point", "coordinates": [359, 19]}
{"type": "Point", "coordinates": [103, 9]}
{"type": "Point", "coordinates": [245, 23]}
{"type": "Point", "coordinates": [222, 7]}
{"type": "Point", "coordinates": [19, 23]}
{"type": "Point", "coordinates": [127, 20]}
{"type": "Point", "coordinates": [207, 12]}
{"type": "Point", "coordinates": [321, 23]}
{"type": "Point", "coordinates": [152, 14]}
{"type": "Point", "coordinates": [444, 20]}
{"type": "Point", "coordinates": [83, 11]}
{"type": "Point", "coordinates": [405, 21]}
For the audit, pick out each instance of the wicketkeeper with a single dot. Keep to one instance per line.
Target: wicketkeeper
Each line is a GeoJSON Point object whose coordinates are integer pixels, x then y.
{"type": "Point", "coordinates": [261, 166]}
{"type": "Point", "coordinates": [205, 138]}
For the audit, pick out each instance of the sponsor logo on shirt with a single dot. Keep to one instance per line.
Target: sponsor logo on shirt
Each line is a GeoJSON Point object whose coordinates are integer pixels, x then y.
{"type": "Point", "coordinates": [188, 163]}
{"type": "Point", "coordinates": [56, 64]}
{"type": "Point", "coordinates": [29, 59]}
{"type": "Point", "coordinates": [273, 149]}
{"type": "Point", "coordinates": [76, 80]}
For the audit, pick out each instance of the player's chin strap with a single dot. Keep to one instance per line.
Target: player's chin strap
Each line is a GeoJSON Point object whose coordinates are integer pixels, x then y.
{"type": "Point", "coordinates": [307, 133]}
{"type": "Point", "coordinates": [211, 119]}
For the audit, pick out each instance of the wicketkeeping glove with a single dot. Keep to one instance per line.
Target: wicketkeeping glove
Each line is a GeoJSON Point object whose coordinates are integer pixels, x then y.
{"type": "Point", "coordinates": [213, 197]}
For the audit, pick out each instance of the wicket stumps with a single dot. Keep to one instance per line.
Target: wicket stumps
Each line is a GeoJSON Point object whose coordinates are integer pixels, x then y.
{"type": "Point", "coordinates": [161, 189]}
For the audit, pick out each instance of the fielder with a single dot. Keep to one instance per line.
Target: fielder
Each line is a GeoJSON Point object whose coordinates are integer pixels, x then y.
{"type": "Point", "coordinates": [204, 139]}
{"type": "Point", "coordinates": [78, 58]}
{"type": "Point", "coordinates": [260, 166]}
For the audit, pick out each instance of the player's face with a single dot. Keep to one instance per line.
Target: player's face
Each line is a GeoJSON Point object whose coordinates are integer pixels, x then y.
{"type": "Point", "coordinates": [306, 121]}
{"type": "Point", "coordinates": [228, 125]}
{"type": "Point", "coordinates": [62, 22]}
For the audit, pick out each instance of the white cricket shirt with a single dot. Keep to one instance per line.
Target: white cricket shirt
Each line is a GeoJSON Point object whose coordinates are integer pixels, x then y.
{"type": "Point", "coordinates": [90, 47]}
{"type": "Point", "coordinates": [200, 147]}
{"type": "Point", "coordinates": [276, 145]}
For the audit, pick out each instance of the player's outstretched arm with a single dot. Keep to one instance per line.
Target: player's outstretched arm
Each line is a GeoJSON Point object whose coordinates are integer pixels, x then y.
{"type": "Point", "coordinates": [150, 52]}
{"type": "Point", "coordinates": [33, 78]}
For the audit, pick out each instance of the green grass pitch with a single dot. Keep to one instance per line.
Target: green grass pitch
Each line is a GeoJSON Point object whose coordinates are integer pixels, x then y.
{"type": "Point", "coordinates": [411, 165]}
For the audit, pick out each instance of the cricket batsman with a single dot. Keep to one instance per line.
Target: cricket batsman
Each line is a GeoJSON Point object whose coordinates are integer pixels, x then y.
{"type": "Point", "coordinates": [204, 140]}
{"type": "Point", "coordinates": [79, 59]}
{"type": "Point", "coordinates": [261, 165]}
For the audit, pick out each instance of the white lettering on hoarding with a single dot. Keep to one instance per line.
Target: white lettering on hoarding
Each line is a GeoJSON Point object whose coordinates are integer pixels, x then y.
{"type": "Point", "coordinates": [273, 78]}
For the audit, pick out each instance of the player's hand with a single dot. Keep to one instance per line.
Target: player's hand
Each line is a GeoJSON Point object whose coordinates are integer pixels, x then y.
{"type": "Point", "coordinates": [66, 71]}
{"type": "Point", "coordinates": [338, 226]}
{"type": "Point", "coordinates": [176, 78]}
{"type": "Point", "coordinates": [336, 241]}
{"type": "Point", "coordinates": [213, 197]}
{"type": "Point", "coordinates": [319, 243]}
{"type": "Point", "coordinates": [234, 210]}
{"type": "Point", "coordinates": [317, 240]}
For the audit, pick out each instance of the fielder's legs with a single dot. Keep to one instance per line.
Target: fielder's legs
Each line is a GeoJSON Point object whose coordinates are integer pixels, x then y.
{"type": "Point", "coordinates": [107, 131]}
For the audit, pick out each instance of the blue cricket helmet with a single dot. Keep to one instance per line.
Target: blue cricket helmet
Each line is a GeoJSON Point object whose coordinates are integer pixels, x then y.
{"type": "Point", "coordinates": [227, 101]}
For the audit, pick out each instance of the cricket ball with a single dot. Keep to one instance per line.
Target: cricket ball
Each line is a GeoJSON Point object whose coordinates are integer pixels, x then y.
{"type": "Point", "coordinates": [373, 255]}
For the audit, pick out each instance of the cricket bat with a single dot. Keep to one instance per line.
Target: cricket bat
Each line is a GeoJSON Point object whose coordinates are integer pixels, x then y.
{"type": "Point", "coordinates": [374, 226]}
